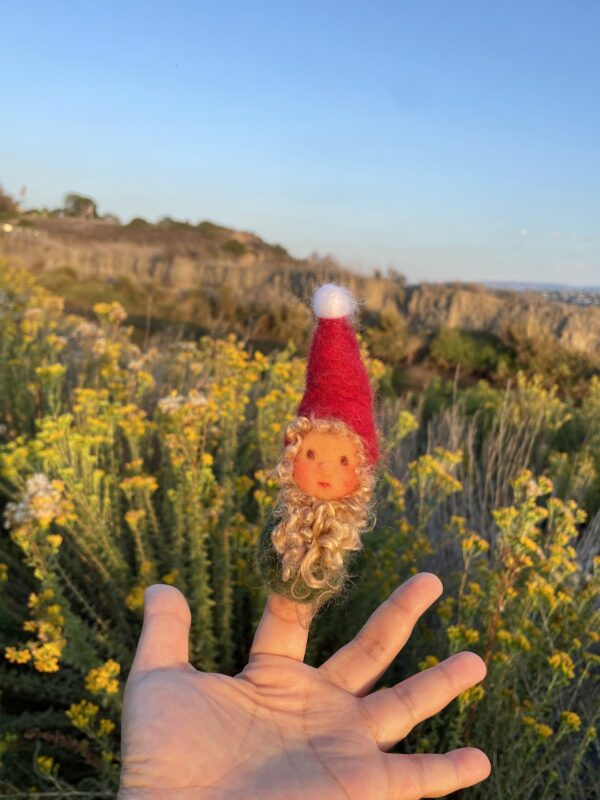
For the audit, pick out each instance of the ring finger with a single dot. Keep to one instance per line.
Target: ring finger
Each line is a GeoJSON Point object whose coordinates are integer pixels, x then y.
{"type": "Point", "coordinates": [393, 713]}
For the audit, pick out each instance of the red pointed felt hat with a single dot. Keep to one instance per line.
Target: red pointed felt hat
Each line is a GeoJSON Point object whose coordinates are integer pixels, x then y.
{"type": "Point", "coordinates": [337, 382]}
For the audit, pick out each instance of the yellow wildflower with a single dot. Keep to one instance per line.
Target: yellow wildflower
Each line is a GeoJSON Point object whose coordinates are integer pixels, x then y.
{"type": "Point", "coordinates": [505, 517]}
{"type": "Point", "coordinates": [460, 634]}
{"type": "Point", "coordinates": [445, 608]}
{"type": "Point", "coordinates": [135, 599]}
{"type": "Point", "coordinates": [170, 577]}
{"type": "Point", "coordinates": [476, 589]}
{"type": "Point", "coordinates": [17, 656]}
{"type": "Point", "coordinates": [139, 482]}
{"type": "Point", "coordinates": [81, 714]}
{"type": "Point", "coordinates": [472, 695]}
{"type": "Point", "coordinates": [55, 540]}
{"type": "Point", "coordinates": [543, 731]}
{"type": "Point", "coordinates": [46, 765]}
{"type": "Point", "coordinates": [539, 586]}
{"type": "Point", "coordinates": [111, 312]}
{"type": "Point", "coordinates": [146, 568]}
{"type": "Point", "coordinates": [58, 342]}
{"type": "Point", "coordinates": [103, 678]}
{"type": "Point", "coordinates": [50, 371]}
{"type": "Point", "coordinates": [45, 658]}
{"type": "Point", "coordinates": [106, 726]}
{"type": "Point", "coordinates": [528, 543]}
{"type": "Point", "coordinates": [562, 662]}
{"type": "Point", "coordinates": [474, 542]}
{"type": "Point", "coordinates": [133, 517]}
{"type": "Point", "coordinates": [522, 641]}
{"type": "Point", "coordinates": [405, 424]}
{"type": "Point", "coordinates": [571, 720]}
{"type": "Point", "coordinates": [564, 598]}
{"type": "Point", "coordinates": [145, 379]}
{"type": "Point", "coordinates": [428, 661]}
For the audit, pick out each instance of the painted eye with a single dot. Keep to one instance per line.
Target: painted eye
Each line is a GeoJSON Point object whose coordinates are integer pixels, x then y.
{"type": "Point", "coordinates": [344, 460]}
{"type": "Point", "coordinates": [310, 454]}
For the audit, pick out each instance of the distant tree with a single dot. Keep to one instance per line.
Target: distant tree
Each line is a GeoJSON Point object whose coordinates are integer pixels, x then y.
{"type": "Point", "coordinates": [169, 222]}
{"type": "Point", "coordinates": [78, 205]}
{"type": "Point", "coordinates": [278, 251]}
{"type": "Point", "coordinates": [138, 222]}
{"type": "Point", "coordinates": [8, 206]}
{"type": "Point", "coordinates": [209, 228]}
{"type": "Point", "coordinates": [233, 247]}
{"type": "Point", "coordinates": [397, 277]}
{"type": "Point", "coordinates": [111, 218]}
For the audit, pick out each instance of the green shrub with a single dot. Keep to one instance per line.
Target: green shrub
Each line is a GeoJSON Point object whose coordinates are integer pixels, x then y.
{"type": "Point", "coordinates": [233, 248]}
{"type": "Point", "coordinates": [472, 352]}
{"type": "Point", "coordinates": [209, 229]}
{"type": "Point", "coordinates": [138, 222]}
{"type": "Point", "coordinates": [388, 338]}
{"type": "Point", "coordinates": [8, 206]}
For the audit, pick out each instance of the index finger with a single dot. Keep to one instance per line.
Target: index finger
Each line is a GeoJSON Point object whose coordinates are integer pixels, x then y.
{"type": "Point", "coordinates": [283, 628]}
{"type": "Point", "coordinates": [165, 631]}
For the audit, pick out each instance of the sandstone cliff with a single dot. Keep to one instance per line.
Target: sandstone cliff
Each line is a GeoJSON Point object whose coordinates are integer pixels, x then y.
{"type": "Point", "coordinates": [506, 314]}
{"type": "Point", "coordinates": [184, 258]}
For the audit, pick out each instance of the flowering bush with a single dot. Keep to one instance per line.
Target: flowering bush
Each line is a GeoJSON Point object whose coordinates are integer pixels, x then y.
{"type": "Point", "coordinates": [120, 468]}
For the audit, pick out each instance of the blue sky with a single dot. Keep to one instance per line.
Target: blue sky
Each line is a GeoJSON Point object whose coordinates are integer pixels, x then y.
{"type": "Point", "coordinates": [448, 139]}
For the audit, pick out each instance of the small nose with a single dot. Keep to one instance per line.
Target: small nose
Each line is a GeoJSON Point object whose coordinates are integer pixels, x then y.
{"type": "Point", "coordinates": [325, 466]}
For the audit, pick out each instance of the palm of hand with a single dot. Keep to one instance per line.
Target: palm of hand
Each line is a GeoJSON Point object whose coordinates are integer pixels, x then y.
{"type": "Point", "coordinates": [282, 729]}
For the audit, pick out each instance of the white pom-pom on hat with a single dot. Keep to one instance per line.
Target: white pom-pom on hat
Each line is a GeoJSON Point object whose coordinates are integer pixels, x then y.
{"type": "Point", "coordinates": [331, 302]}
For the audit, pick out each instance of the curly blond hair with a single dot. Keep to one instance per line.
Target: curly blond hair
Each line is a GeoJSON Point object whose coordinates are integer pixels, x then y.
{"type": "Point", "coordinates": [314, 537]}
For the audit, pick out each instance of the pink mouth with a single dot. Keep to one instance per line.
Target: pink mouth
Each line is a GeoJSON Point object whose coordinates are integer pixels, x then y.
{"type": "Point", "coordinates": [324, 484]}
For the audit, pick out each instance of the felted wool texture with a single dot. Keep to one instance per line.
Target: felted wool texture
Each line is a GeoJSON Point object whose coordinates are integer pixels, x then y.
{"type": "Point", "coordinates": [332, 301]}
{"type": "Point", "coordinates": [337, 382]}
{"type": "Point", "coordinates": [269, 565]}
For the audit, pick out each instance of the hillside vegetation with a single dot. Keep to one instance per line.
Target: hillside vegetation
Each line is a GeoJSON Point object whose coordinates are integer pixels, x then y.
{"type": "Point", "coordinates": [189, 279]}
{"type": "Point", "coordinates": [124, 464]}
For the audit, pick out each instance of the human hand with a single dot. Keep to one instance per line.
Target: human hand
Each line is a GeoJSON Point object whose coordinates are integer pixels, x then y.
{"type": "Point", "coordinates": [282, 730]}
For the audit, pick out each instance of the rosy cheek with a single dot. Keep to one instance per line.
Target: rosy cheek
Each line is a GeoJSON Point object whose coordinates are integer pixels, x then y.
{"type": "Point", "coordinates": [302, 473]}
{"type": "Point", "coordinates": [350, 481]}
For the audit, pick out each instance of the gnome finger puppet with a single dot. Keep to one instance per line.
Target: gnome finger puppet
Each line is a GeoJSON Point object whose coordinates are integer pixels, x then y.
{"type": "Point", "coordinates": [327, 469]}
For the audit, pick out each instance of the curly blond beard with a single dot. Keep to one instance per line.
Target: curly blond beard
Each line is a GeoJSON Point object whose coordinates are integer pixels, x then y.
{"type": "Point", "coordinates": [314, 537]}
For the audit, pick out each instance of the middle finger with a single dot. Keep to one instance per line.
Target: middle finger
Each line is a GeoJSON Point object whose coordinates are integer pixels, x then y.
{"type": "Point", "coordinates": [358, 665]}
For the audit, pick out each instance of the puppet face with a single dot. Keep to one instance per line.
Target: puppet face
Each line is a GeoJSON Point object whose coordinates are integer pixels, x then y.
{"type": "Point", "coordinates": [325, 465]}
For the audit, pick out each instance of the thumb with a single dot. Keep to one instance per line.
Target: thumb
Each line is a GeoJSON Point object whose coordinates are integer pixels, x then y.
{"type": "Point", "coordinates": [166, 629]}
